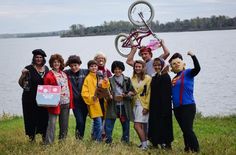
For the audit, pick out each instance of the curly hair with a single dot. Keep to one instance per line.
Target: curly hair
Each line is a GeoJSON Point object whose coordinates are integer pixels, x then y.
{"type": "Point", "coordinates": [118, 64]}
{"type": "Point", "coordinates": [59, 58]}
{"type": "Point", "coordinates": [73, 59]}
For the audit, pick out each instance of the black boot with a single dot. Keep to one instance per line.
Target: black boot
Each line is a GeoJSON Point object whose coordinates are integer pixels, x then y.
{"type": "Point", "coordinates": [32, 138]}
{"type": "Point", "coordinates": [166, 146]}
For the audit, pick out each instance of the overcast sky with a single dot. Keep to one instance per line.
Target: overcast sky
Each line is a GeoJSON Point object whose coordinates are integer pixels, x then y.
{"type": "Point", "coordinates": [20, 16]}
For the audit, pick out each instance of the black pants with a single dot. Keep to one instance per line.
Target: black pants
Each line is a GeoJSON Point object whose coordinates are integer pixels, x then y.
{"type": "Point", "coordinates": [185, 115]}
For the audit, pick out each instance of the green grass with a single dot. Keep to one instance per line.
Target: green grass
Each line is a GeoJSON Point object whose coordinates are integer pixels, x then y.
{"type": "Point", "coordinates": [216, 135]}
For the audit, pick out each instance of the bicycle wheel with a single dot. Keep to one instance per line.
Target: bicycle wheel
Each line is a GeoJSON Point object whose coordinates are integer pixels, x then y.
{"type": "Point", "coordinates": [143, 7]}
{"type": "Point", "coordinates": [119, 41]}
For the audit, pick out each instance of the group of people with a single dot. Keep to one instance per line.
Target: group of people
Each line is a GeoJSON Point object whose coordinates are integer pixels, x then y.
{"type": "Point", "coordinates": [146, 98]}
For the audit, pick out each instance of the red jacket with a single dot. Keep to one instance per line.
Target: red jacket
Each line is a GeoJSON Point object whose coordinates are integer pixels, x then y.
{"type": "Point", "coordinates": [50, 79]}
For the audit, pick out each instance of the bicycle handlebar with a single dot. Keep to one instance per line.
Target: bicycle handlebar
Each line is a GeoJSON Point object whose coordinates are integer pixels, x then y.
{"type": "Point", "coordinates": [153, 34]}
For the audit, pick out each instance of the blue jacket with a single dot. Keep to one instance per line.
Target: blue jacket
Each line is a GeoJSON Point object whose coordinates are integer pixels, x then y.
{"type": "Point", "coordinates": [77, 80]}
{"type": "Point", "coordinates": [183, 85]}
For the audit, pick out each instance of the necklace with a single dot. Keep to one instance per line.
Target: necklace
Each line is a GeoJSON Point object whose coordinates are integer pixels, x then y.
{"type": "Point", "coordinates": [40, 70]}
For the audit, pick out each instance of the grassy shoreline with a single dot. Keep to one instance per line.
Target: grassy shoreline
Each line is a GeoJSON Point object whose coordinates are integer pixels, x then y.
{"type": "Point", "coordinates": [216, 135]}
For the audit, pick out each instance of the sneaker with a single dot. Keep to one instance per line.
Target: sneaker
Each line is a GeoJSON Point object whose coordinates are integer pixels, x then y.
{"type": "Point", "coordinates": [140, 145]}
{"type": "Point", "coordinates": [144, 148]}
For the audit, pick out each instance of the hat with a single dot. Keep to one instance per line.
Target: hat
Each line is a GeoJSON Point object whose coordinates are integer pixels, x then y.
{"type": "Point", "coordinates": [73, 59]}
{"type": "Point", "coordinates": [145, 49]}
{"type": "Point", "coordinates": [39, 52]}
{"type": "Point", "coordinates": [164, 64]}
{"type": "Point", "coordinates": [118, 64]}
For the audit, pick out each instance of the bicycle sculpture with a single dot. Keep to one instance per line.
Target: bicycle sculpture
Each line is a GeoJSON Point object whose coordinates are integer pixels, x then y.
{"type": "Point", "coordinates": [140, 14]}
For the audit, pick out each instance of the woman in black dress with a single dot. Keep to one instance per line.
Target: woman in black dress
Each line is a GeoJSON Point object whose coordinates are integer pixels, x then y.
{"type": "Point", "coordinates": [160, 116]}
{"type": "Point", "coordinates": [35, 118]}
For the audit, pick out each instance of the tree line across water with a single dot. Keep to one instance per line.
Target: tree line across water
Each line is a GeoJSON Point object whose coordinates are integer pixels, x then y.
{"type": "Point", "coordinates": [115, 27]}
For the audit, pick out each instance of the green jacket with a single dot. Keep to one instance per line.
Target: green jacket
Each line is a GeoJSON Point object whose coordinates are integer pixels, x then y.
{"type": "Point", "coordinates": [111, 107]}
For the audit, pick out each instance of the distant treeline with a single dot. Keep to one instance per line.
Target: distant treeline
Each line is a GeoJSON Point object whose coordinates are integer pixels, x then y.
{"type": "Point", "coordinates": [36, 34]}
{"type": "Point", "coordinates": [41, 34]}
{"type": "Point", "coordinates": [115, 27]}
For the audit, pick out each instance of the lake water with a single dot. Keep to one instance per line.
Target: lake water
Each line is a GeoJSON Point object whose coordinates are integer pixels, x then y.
{"type": "Point", "coordinates": [215, 85]}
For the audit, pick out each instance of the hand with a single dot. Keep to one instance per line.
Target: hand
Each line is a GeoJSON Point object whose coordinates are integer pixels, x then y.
{"type": "Point", "coordinates": [130, 93]}
{"type": "Point", "coordinates": [162, 42]}
{"type": "Point", "coordinates": [190, 53]}
{"type": "Point", "coordinates": [95, 98]}
{"type": "Point", "coordinates": [118, 98]}
{"type": "Point", "coordinates": [110, 97]}
{"type": "Point", "coordinates": [145, 111]}
{"type": "Point", "coordinates": [105, 79]}
{"type": "Point", "coordinates": [134, 48]}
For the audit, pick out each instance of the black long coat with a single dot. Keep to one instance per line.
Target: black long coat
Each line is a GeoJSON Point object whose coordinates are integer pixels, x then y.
{"type": "Point", "coordinates": [35, 118]}
{"type": "Point", "coordinates": [160, 128]}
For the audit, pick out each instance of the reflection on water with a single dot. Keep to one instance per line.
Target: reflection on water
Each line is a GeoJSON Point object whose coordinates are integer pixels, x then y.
{"type": "Point", "coordinates": [215, 91]}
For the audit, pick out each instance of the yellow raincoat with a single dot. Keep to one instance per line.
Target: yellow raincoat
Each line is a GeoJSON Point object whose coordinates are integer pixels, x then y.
{"type": "Point", "coordinates": [88, 93]}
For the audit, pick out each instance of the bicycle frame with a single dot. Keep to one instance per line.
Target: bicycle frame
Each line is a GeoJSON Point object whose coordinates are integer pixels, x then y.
{"type": "Point", "coordinates": [128, 43]}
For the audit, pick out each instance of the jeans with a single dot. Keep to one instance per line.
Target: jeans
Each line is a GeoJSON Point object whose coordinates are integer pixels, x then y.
{"type": "Point", "coordinates": [185, 115]}
{"type": "Point", "coordinates": [97, 129]}
{"type": "Point", "coordinates": [80, 112]}
{"type": "Point", "coordinates": [124, 122]}
{"type": "Point", "coordinates": [63, 124]}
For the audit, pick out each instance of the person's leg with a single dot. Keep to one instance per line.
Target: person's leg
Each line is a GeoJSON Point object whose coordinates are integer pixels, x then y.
{"type": "Point", "coordinates": [80, 113]}
{"type": "Point", "coordinates": [50, 135]}
{"type": "Point", "coordinates": [102, 104]}
{"type": "Point", "coordinates": [63, 121]}
{"type": "Point", "coordinates": [189, 112]}
{"type": "Point", "coordinates": [145, 128]}
{"type": "Point", "coordinates": [178, 115]}
{"type": "Point", "coordinates": [109, 128]}
{"type": "Point", "coordinates": [97, 127]}
{"type": "Point", "coordinates": [121, 113]}
{"type": "Point", "coordinates": [141, 133]}
{"type": "Point", "coordinates": [29, 119]}
{"type": "Point", "coordinates": [42, 122]}
{"type": "Point", "coordinates": [84, 117]}
{"type": "Point", "coordinates": [125, 128]}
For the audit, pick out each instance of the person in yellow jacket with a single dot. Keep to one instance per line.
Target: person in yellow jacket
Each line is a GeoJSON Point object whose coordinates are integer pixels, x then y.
{"type": "Point", "coordinates": [89, 95]}
{"type": "Point", "coordinates": [141, 83]}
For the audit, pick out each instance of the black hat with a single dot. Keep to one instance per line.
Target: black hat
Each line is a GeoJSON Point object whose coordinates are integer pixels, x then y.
{"type": "Point", "coordinates": [118, 64]}
{"type": "Point", "coordinates": [39, 52]}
